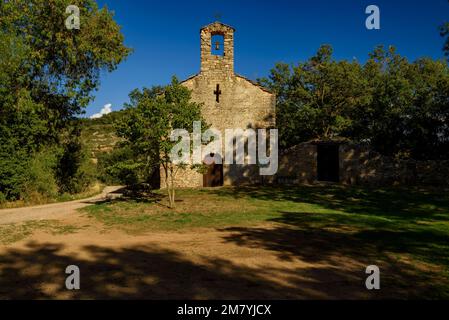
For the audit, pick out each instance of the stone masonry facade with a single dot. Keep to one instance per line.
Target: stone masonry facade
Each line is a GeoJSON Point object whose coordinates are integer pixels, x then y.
{"type": "Point", "coordinates": [241, 104]}
{"type": "Point", "coordinates": [359, 165]}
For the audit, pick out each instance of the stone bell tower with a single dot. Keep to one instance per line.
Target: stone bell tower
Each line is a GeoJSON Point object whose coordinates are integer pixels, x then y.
{"type": "Point", "coordinates": [217, 49]}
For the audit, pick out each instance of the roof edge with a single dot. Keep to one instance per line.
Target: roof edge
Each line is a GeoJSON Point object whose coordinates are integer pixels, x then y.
{"type": "Point", "coordinates": [223, 24]}
{"type": "Point", "coordinates": [238, 76]}
{"type": "Point", "coordinates": [255, 83]}
{"type": "Point", "coordinates": [190, 78]}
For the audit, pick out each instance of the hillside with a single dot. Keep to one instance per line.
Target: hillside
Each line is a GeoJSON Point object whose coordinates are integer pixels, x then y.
{"type": "Point", "coordinates": [98, 135]}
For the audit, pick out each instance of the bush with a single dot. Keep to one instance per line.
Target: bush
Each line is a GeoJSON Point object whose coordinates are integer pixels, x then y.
{"type": "Point", "coordinates": [2, 198]}
{"type": "Point", "coordinates": [118, 167]}
{"type": "Point", "coordinates": [75, 171]}
{"type": "Point", "coordinates": [41, 183]}
{"type": "Point", "coordinates": [12, 174]}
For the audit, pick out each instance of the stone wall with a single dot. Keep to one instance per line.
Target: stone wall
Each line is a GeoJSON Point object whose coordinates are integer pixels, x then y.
{"type": "Point", "coordinates": [359, 165]}
{"type": "Point", "coordinates": [242, 104]}
{"type": "Point", "coordinates": [185, 178]}
{"type": "Point", "coordinates": [297, 165]}
{"type": "Point", "coordinates": [233, 175]}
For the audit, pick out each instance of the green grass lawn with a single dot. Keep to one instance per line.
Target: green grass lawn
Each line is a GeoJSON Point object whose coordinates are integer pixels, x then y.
{"type": "Point", "coordinates": [411, 224]}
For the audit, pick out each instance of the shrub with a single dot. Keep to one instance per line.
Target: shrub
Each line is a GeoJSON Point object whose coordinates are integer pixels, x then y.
{"type": "Point", "coordinates": [12, 176]}
{"type": "Point", "coordinates": [41, 183]}
{"type": "Point", "coordinates": [118, 167]}
{"type": "Point", "coordinates": [75, 171]}
{"type": "Point", "coordinates": [2, 198]}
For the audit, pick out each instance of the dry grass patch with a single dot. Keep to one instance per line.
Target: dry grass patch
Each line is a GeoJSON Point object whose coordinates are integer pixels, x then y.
{"type": "Point", "coordinates": [11, 233]}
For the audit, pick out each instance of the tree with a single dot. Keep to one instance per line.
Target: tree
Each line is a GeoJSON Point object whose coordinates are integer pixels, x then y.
{"type": "Point", "coordinates": [409, 111]}
{"type": "Point", "coordinates": [20, 124]}
{"type": "Point", "coordinates": [400, 108]}
{"type": "Point", "coordinates": [62, 67]}
{"type": "Point", "coordinates": [381, 122]}
{"type": "Point", "coordinates": [135, 159]}
{"type": "Point", "coordinates": [316, 99]}
{"type": "Point", "coordinates": [47, 76]}
{"type": "Point", "coordinates": [148, 122]}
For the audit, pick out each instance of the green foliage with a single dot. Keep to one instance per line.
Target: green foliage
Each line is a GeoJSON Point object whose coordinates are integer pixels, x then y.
{"type": "Point", "coordinates": [135, 159]}
{"type": "Point", "coordinates": [74, 172]}
{"type": "Point", "coordinates": [317, 98]}
{"type": "Point", "coordinates": [12, 173]}
{"type": "Point", "coordinates": [3, 198]}
{"type": "Point", "coordinates": [47, 75]}
{"type": "Point", "coordinates": [41, 180]}
{"type": "Point", "coordinates": [20, 125]}
{"type": "Point", "coordinates": [62, 66]}
{"type": "Point", "coordinates": [401, 108]}
{"type": "Point", "coordinates": [119, 167]}
{"type": "Point", "coordinates": [147, 124]}
{"type": "Point", "coordinates": [410, 108]}
{"type": "Point", "coordinates": [149, 119]}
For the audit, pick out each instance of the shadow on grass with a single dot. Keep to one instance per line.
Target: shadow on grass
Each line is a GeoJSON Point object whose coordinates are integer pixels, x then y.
{"type": "Point", "coordinates": [396, 203]}
{"type": "Point", "coordinates": [368, 225]}
{"type": "Point", "coordinates": [300, 236]}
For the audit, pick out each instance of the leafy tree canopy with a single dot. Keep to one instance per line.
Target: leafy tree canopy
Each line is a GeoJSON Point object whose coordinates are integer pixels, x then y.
{"type": "Point", "coordinates": [148, 122]}
{"type": "Point", "coordinates": [47, 76]}
{"type": "Point", "coordinates": [401, 108]}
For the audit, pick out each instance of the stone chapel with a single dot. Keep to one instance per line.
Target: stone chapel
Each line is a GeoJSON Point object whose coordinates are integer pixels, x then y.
{"type": "Point", "coordinates": [230, 101]}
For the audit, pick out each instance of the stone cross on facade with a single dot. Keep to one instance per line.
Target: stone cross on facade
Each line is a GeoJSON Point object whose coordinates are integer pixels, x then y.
{"type": "Point", "coordinates": [217, 93]}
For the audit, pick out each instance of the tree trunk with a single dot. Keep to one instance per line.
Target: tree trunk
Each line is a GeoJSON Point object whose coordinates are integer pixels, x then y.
{"type": "Point", "coordinates": [168, 185]}
{"type": "Point", "coordinates": [169, 182]}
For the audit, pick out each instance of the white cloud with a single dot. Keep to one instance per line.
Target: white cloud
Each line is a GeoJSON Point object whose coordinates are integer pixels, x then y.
{"type": "Point", "coordinates": [104, 111]}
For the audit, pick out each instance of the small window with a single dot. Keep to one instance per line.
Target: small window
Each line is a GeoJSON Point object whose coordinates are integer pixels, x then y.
{"type": "Point", "coordinates": [217, 45]}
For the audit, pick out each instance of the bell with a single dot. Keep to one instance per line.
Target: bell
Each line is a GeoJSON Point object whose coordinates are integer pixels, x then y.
{"type": "Point", "coordinates": [217, 45]}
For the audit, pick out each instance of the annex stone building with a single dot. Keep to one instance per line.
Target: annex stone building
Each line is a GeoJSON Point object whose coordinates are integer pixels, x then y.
{"type": "Point", "coordinates": [230, 101]}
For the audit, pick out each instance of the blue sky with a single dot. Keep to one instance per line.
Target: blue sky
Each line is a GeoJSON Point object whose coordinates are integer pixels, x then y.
{"type": "Point", "coordinates": [165, 36]}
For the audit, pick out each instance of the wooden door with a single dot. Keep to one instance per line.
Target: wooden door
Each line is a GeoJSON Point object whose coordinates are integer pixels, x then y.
{"type": "Point", "coordinates": [214, 176]}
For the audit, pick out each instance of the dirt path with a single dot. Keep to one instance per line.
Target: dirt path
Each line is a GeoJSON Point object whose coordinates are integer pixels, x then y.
{"type": "Point", "coordinates": [186, 265]}
{"type": "Point", "coordinates": [54, 210]}
{"type": "Point", "coordinates": [231, 263]}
